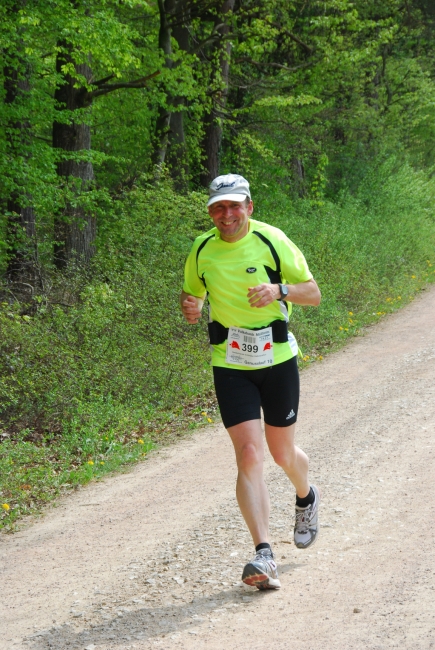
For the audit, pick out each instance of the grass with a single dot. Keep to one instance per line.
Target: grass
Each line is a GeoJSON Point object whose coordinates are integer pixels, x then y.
{"type": "Point", "coordinates": [35, 473]}
{"type": "Point", "coordinates": [348, 324]}
{"type": "Point", "coordinates": [35, 470]}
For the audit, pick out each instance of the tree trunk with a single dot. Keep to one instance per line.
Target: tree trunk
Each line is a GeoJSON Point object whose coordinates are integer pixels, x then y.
{"type": "Point", "coordinates": [161, 136]}
{"type": "Point", "coordinates": [299, 176]}
{"type": "Point", "coordinates": [177, 152]}
{"type": "Point", "coordinates": [21, 219]}
{"type": "Point", "coordinates": [213, 122]}
{"type": "Point", "coordinates": [177, 158]}
{"type": "Point", "coordinates": [74, 230]}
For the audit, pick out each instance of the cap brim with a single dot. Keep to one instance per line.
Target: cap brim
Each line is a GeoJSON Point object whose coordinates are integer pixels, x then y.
{"type": "Point", "coordinates": [227, 197]}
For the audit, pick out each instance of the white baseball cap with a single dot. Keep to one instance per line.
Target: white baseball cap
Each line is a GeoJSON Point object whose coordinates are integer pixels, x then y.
{"type": "Point", "coordinates": [230, 187]}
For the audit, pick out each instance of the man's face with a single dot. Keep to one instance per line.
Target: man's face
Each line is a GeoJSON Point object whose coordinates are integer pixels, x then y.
{"type": "Point", "coordinates": [231, 218]}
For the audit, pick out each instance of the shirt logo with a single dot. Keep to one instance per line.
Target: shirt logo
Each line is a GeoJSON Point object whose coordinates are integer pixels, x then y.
{"type": "Point", "coordinates": [251, 269]}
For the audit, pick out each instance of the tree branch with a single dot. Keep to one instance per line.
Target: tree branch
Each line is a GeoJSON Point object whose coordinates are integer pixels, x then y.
{"type": "Point", "coordinates": [102, 81]}
{"type": "Point", "coordinates": [108, 88]}
{"type": "Point", "coordinates": [213, 37]}
{"type": "Point", "coordinates": [293, 37]}
{"type": "Point", "coordinates": [258, 64]}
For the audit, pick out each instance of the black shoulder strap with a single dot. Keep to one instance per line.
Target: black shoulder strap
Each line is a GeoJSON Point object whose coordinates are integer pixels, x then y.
{"type": "Point", "coordinates": [200, 247]}
{"type": "Point", "coordinates": [274, 276]}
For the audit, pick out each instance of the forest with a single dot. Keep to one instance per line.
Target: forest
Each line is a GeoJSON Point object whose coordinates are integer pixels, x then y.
{"type": "Point", "coordinates": [115, 115]}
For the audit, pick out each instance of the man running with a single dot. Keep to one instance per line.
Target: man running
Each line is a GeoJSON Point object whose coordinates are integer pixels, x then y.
{"type": "Point", "coordinates": [251, 273]}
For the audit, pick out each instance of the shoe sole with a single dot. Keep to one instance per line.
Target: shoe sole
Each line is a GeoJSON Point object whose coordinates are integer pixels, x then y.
{"type": "Point", "coordinates": [312, 542]}
{"type": "Point", "coordinates": [318, 525]}
{"type": "Point", "coordinates": [261, 581]}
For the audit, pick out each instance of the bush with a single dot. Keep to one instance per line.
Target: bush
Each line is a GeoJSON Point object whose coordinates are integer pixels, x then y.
{"type": "Point", "coordinates": [102, 364]}
{"type": "Point", "coordinates": [363, 249]}
{"type": "Point", "coordinates": [121, 340]}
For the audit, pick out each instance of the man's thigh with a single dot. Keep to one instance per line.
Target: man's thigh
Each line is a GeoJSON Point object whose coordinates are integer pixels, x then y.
{"type": "Point", "coordinates": [280, 394]}
{"type": "Point", "coordinates": [238, 395]}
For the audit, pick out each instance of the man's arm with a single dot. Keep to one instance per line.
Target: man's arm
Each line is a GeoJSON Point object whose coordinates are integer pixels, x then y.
{"type": "Point", "coordinates": [304, 293]}
{"type": "Point", "coordinates": [191, 307]}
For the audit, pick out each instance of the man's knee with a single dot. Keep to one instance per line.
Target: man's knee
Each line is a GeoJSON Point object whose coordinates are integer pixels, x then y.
{"type": "Point", "coordinates": [284, 455]}
{"type": "Point", "coordinates": [249, 457]}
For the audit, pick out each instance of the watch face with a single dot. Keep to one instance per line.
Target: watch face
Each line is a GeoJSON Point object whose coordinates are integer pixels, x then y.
{"type": "Point", "coordinates": [284, 290]}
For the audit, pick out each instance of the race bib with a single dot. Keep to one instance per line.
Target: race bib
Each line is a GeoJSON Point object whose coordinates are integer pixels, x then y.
{"type": "Point", "coordinates": [253, 349]}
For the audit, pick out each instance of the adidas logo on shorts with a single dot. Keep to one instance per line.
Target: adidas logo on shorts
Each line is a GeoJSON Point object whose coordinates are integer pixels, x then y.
{"type": "Point", "coordinates": [290, 415]}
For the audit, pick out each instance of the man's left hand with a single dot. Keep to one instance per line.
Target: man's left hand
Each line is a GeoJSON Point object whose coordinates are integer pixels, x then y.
{"type": "Point", "coordinates": [263, 294]}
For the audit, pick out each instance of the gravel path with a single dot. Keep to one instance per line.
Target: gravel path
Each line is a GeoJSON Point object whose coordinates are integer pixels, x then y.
{"type": "Point", "coordinates": [153, 558]}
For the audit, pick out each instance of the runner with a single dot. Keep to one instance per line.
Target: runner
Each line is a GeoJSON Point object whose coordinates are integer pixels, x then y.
{"type": "Point", "coordinates": [251, 273]}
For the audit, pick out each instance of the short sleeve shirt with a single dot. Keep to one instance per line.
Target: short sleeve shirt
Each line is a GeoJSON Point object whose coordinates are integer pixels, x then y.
{"type": "Point", "coordinates": [227, 270]}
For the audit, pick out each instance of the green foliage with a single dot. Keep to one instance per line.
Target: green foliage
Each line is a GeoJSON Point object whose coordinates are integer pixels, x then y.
{"type": "Point", "coordinates": [34, 472]}
{"type": "Point", "coordinates": [329, 112]}
{"type": "Point", "coordinates": [370, 251]}
{"type": "Point", "coordinates": [341, 79]}
{"type": "Point", "coordinates": [122, 337]}
{"type": "Point", "coordinates": [103, 360]}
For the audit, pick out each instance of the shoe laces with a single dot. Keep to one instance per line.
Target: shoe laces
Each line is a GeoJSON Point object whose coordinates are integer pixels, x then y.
{"type": "Point", "coordinates": [264, 555]}
{"type": "Point", "coordinates": [303, 518]}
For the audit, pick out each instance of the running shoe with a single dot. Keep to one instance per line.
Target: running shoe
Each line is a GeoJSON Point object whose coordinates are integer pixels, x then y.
{"type": "Point", "coordinates": [306, 530]}
{"type": "Point", "coordinates": [262, 571]}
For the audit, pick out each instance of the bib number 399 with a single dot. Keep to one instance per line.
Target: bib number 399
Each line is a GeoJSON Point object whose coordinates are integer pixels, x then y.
{"type": "Point", "coordinates": [249, 348]}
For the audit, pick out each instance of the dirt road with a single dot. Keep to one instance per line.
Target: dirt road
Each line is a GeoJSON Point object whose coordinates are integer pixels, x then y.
{"type": "Point", "coordinates": [153, 558]}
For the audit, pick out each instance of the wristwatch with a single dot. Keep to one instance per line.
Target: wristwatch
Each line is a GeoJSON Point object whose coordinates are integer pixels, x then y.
{"type": "Point", "coordinates": [283, 289]}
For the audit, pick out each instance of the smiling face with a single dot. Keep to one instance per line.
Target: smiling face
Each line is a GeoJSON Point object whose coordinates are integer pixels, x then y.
{"type": "Point", "coordinates": [231, 218]}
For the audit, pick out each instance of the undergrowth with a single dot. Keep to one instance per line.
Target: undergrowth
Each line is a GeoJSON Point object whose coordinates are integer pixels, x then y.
{"type": "Point", "coordinates": [97, 369]}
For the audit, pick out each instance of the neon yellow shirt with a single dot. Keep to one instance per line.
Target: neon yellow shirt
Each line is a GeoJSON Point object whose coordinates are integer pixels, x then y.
{"type": "Point", "coordinates": [229, 269]}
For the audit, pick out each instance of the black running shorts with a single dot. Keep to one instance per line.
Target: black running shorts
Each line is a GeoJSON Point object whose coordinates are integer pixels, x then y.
{"type": "Point", "coordinates": [241, 393]}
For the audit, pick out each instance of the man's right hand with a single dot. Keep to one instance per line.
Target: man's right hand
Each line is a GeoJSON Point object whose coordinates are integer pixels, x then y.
{"type": "Point", "coordinates": [191, 308]}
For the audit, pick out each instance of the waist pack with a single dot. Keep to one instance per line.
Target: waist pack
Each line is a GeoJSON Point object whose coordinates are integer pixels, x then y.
{"type": "Point", "coordinates": [218, 333]}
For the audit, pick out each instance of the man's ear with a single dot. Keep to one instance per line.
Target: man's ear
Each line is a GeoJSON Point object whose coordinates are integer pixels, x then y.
{"type": "Point", "coordinates": [250, 209]}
